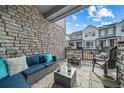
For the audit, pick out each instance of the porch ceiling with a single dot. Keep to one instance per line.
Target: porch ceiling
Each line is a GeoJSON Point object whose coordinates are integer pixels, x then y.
{"type": "Point", "coordinates": [54, 13]}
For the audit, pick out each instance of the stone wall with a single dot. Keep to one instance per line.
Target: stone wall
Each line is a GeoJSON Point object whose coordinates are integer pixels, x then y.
{"type": "Point", "coordinates": [24, 30]}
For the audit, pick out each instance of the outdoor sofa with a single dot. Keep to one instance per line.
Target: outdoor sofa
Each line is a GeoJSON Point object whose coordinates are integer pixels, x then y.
{"type": "Point", "coordinates": [37, 68]}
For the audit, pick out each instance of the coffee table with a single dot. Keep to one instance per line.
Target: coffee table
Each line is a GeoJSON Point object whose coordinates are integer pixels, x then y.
{"type": "Point", "coordinates": [65, 77]}
{"type": "Point", "coordinates": [76, 60]}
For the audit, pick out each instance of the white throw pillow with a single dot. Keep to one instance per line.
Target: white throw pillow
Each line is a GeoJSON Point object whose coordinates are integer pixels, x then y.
{"type": "Point", "coordinates": [16, 65]}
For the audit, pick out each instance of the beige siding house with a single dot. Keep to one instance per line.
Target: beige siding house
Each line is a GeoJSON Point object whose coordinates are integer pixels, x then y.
{"type": "Point", "coordinates": [75, 40]}
{"type": "Point", "coordinates": [90, 36]}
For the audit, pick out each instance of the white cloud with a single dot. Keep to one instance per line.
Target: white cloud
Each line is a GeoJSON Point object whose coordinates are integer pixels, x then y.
{"type": "Point", "coordinates": [74, 17]}
{"type": "Point", "coordinates": [103, 12]}
{"type": "Point", "coordinates": [106, 23]}
{"type": "Point", "coordinates": [99, 12]}
{"type": "Point", "coordinates": [68, 32]}
{"type": "Point", "coordinates": [84, 25]}
{"type": "Point", "coordinates": [91, 11]}
{"type": "Point", "coordinates": [77, 25]}
{"type": "Point", "coordinates": [96, 19]}
{"type": "Point", "coordinates": [81, 26]}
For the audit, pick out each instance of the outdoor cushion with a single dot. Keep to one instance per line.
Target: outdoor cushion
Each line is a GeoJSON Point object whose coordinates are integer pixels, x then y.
{"type": "Point", "coordinates": [103, 55]}
{"type": "Point", "coordinates": [16, 65]}
{"type": "Point", "coordinates": [32, 60]}
{"type": "Point", "coordinates": [41, 60]}
{"type": "Point", "coordinates": [54, 58]}
{"type": "Point", "coordinates": [15, 81]}
{"type": "Point", "coordinates": [32, 69]}
{"type": "Point", "coordinates": [48, 58]}
{"type": "Point", "coordinates": [3, 68]}
{"type": "Point", "coordinates": [49, 64]}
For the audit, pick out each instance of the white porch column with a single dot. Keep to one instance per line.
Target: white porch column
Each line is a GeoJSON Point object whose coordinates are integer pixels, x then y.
{"type": "Point", "coordinates": [83, 43]}
{"type": "Point", "coordinates": [107, 42]}
{"type": "Point", "coordinates": [75, 45]}
{"type": "Point", "coordinates": [94, 44]}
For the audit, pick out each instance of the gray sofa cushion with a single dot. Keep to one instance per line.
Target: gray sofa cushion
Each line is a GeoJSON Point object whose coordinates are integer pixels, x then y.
{"type": "Point", "coordinates": [33, 69]}
{"type": "Point", "coordinates": [15, 81]}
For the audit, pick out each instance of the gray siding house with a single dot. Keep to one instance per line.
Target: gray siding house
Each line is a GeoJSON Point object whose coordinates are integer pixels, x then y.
{"type": "Point", "coordinates": [107, 35]}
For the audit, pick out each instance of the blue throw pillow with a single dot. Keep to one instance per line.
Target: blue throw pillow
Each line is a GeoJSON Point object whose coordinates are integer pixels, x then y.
{"type": "Point", "coordinates": [3, 68]}
{"type": "Point", "coordinates": [31, 60]}
{"type": "Point", "coordinates": [41, 59]}
{"type": "Point", "coordinates": [48, 58]}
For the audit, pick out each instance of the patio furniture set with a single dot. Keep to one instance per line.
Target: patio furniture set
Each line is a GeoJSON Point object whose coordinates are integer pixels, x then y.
{"type": "Point", "coordinates": [35, 67]}
{"type": "Point", "coordinates": [38, 67]}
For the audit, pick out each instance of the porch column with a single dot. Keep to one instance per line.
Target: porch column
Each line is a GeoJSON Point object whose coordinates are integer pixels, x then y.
{"type": "Point", "coordinates": [94, 44]}
{"type": "Point", "coordinates": [107, 42]}
{"type": "Point", "coordinates": [75, 45]}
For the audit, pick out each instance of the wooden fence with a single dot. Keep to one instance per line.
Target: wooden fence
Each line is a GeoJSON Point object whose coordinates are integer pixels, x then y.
{"type": "Point", "coordinates": [85, 54]}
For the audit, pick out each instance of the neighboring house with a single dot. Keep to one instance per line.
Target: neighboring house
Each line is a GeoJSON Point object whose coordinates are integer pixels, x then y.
{"type": "Point", "coordinates": [97, 37]}
{"type": "Point", "coordinates": [90, 36]}
{"type": "Point", "coordinates": [67, 40]}
{"type": "Point", "coordinates": [120, 29]}
{"type": "Point", "coordinates": [109, 34]}
{"type": "Point", "coordinates": [75, 41]}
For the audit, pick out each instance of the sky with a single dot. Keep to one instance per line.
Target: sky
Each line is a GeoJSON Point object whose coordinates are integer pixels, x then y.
{"type": "Point", "coordinates": [94, 15]}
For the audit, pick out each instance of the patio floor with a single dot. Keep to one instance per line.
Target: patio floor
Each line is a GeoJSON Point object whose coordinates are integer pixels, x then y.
{"type": "Point", "coordinates": [85, 77]}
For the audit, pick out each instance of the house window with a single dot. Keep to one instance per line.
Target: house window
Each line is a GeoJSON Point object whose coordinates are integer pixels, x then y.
{"type": "Point", "coordinates": [122, 29]}
{"type": "Point", "coordinates": [93, 33]}
{"type": "Point", "coordinates": [71, 44]}
{"type": "Point", "coordinates": [110, 31]}
{"type": "Point", "coordinates": [102, 32]}
{"type": "Point", "coordinates": [86, 35]}
{"type": "Point", "coordinates": [89, 44]}
{"type": "Point", "coordinates": [71, 37]}
{"type": "Point", "coordinates": [79, 37]}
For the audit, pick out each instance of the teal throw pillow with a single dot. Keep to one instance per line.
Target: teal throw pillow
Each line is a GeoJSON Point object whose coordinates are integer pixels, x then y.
{"type": "Point", "coordinates": [3, 68]}
{"type": "Point", "coordinates": [48, 58]}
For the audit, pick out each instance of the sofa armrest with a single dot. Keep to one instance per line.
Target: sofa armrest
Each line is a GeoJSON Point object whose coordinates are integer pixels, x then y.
{"type": "Point", "coordinates": [54, 58]}
{"type": "Point", "coordinates": [15, 81]}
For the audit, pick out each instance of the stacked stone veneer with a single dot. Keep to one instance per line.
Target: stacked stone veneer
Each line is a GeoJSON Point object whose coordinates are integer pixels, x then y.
{"type": "Point", "coordinates": [24, 30]}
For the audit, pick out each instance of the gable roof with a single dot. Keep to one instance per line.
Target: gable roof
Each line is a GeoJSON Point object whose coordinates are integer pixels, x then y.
{"type": "Point", "coordinates": [121, 21]}
{"type": "Point", "coordinates": [109, 25]}
{"type": "Point", "coordinates": [104, 26]}
{"type": "Point", "coordinates": [90, 26]}
{"type": "Point", "coordinates": [76, 33]}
